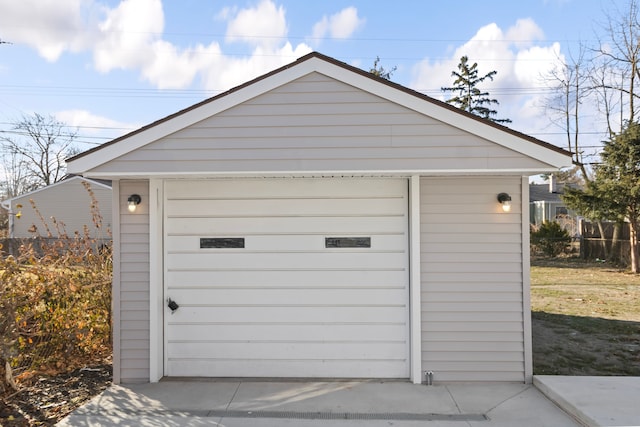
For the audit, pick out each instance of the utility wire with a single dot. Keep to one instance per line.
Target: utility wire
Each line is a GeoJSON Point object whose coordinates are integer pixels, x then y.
{"type": "Point", "coordinates": [202, 93]}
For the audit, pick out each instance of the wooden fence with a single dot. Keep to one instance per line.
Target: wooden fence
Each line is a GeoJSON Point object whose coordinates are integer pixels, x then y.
{"type": "Point", "coordinates": [593, 245]}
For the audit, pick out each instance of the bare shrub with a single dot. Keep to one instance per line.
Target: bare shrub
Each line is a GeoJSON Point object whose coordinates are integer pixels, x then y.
{"type": "Point", "coordinates": [55, 303]}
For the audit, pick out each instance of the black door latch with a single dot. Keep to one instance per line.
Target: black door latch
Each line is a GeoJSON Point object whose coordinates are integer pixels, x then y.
{"type": "Point", "coordinates": [172, 305]}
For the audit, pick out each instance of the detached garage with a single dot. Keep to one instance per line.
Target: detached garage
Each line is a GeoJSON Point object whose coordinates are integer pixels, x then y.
{"type": "Point", "coordinates": [319, 222]}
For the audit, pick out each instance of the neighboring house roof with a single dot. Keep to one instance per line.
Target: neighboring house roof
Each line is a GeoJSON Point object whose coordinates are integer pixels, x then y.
{"type": "Point", "coordinates": [541, 193]}
{"type": "Point", "coordinates": [99, 182]}
{"type": "Point", "coordinates": [550, 155]}
{"type": "Point", "coordinates": [63, 207]}
{"type": "Point", "coordinates": [104, 182]}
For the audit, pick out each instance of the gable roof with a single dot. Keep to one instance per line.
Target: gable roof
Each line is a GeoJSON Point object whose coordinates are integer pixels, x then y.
{"type": "Point", "coordinates": [316, 62]}
{"type": "Point", "coordinates": [70, 178]}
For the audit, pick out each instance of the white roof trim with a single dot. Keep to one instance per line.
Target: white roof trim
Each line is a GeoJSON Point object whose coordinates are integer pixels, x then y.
{"type": "Point", "coordinates": [84, 163]}
{"type": "Point", "coordinates": [226, 174]}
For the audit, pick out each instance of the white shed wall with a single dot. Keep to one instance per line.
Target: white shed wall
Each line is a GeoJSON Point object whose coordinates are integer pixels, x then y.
{"type": "Point", "coordinates": [69, 203]}
{"type": "Point", "coordinates": [472, 280]}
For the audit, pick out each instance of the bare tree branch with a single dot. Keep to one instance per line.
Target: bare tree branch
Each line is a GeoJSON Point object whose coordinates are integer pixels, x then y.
{"type": "Point", "coordinates": [34, 153]}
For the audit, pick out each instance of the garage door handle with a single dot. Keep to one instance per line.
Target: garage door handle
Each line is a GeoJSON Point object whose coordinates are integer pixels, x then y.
{"type": "Point", "coordinates": [172, 305]}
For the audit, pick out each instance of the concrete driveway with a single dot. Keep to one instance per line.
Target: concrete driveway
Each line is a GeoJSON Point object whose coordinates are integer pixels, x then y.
{"type": "Point", "coordinates": [369, 403]}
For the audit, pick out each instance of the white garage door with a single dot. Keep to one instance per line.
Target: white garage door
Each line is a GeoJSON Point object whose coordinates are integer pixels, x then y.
{"type": "Point", "coordinates": [287, 278]}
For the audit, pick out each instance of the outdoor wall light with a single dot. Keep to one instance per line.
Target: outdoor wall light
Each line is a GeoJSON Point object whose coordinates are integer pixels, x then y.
{"type": "Point", "coordinates": [505, 200]}
{"type": "Point", "coordinates": [133, 201]}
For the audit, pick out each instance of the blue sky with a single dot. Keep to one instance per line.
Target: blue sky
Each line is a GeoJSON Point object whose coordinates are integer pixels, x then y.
{"type": "Point", "coordinates": [108, 67]}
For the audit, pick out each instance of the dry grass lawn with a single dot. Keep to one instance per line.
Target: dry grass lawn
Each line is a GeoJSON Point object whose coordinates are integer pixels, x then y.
{"type": "Point", "coordinates": [586, 318]}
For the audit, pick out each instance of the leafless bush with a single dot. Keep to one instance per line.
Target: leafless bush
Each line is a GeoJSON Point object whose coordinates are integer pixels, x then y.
{"type": "Point", "coordinates": [55, 303]}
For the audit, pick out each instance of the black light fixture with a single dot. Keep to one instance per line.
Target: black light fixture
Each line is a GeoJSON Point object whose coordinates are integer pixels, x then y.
{"type": "Point", "coordinates": [133, 201]}
{"type": "Point", "coordinates": [505, 201]}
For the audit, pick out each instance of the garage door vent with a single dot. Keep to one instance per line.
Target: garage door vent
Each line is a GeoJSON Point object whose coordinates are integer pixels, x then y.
{"type": "Point", "coordinates": [222, 242]}
{"type": "Point", "coordinates": [347, 242]}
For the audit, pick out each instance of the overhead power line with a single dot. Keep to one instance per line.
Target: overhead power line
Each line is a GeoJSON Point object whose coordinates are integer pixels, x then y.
{"type": "Point", "coordinates": [111, 92]}
{"type": "Point", "coordinates": [108, 92]}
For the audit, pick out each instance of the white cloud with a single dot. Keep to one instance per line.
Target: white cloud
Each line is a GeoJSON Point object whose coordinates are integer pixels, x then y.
{"type": "Point", "coordinates": [93, 123]}
{"type": "Point", "coordinates": [234, 71]}
{"type": "Point", "coordinates": [129, 36]}
{"type": "Point", "coordinates": [171, 68]}
{"type": "Point", "coordinates": [264, 28]}
{"type": "Point", "coordinates": [546, 59]}
{"type": "Point", "coordinates": [132, 40]}
{"type": "Point", "coordinates": [524, 32]}
{"type": "Point", "coordinates": [340, 25]}
{"type": "Point", "coordinates": [127, 33]}
{"type": "Point", "coordinates": [263, 25]}
{"type": "Point", "coordinates": [93, 129]}
{"type": "Point", "coordinates": [49, 26]}
{"type": "Point", "coordinates": [225, 13]}
{"type": "Point", "coordinates": [127, 45]}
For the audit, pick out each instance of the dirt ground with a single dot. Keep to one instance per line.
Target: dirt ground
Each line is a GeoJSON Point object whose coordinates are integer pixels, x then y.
{"type": "Point", "coordinates": [565, 346]}
{"type": "Point", "coordinates": [48, 399]}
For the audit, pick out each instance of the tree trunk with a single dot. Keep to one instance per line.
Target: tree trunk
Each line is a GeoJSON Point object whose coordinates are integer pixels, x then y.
{"type": "Point", "coordinates": [633, 240]}
{"type": "Point", "coordinates": [603, 240]}
{"type": "Point", "coordinates": [616, 242]}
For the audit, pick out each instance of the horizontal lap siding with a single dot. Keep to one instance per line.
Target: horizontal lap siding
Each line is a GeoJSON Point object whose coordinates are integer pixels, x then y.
{"type": "Point", "coordinates": [285, 304]}
{"type": "Point", "coordinates": [471, 272]}
{"type": "Point", "coordinates": [316, 123]}
{"type": "Point", "coordinates": [134, 284]}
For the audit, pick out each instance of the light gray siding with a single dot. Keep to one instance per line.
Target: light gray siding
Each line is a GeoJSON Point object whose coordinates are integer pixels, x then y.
{"type": "Point", "coordinates": [316, 123]}
{"type": "Point", "coordinates": [69, 203]}
{"type": "Point", "coordinates": [133, 296]}
{"type": "Point", "coordinates": [472, 280]}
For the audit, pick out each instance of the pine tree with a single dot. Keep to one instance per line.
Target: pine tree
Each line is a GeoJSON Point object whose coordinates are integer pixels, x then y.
{"type": "Point", "coordinates": [469, 97]}
{"type": "Point", "coordinates": [614, 191]}
{"type": "Point", "coordinates": [378, 70]}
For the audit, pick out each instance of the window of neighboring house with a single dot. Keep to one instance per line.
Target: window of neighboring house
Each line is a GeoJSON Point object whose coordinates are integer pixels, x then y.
{"type": "Point", "coordinates": [561, 211]}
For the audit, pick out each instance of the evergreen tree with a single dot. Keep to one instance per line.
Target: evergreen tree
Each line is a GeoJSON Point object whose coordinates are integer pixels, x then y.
{"type": "Point", "coordinates": [614, 191]}
{"type": "Point", "coordinates": [378, 70]}
{"type": "Point", "coordinates": [469, 97]}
